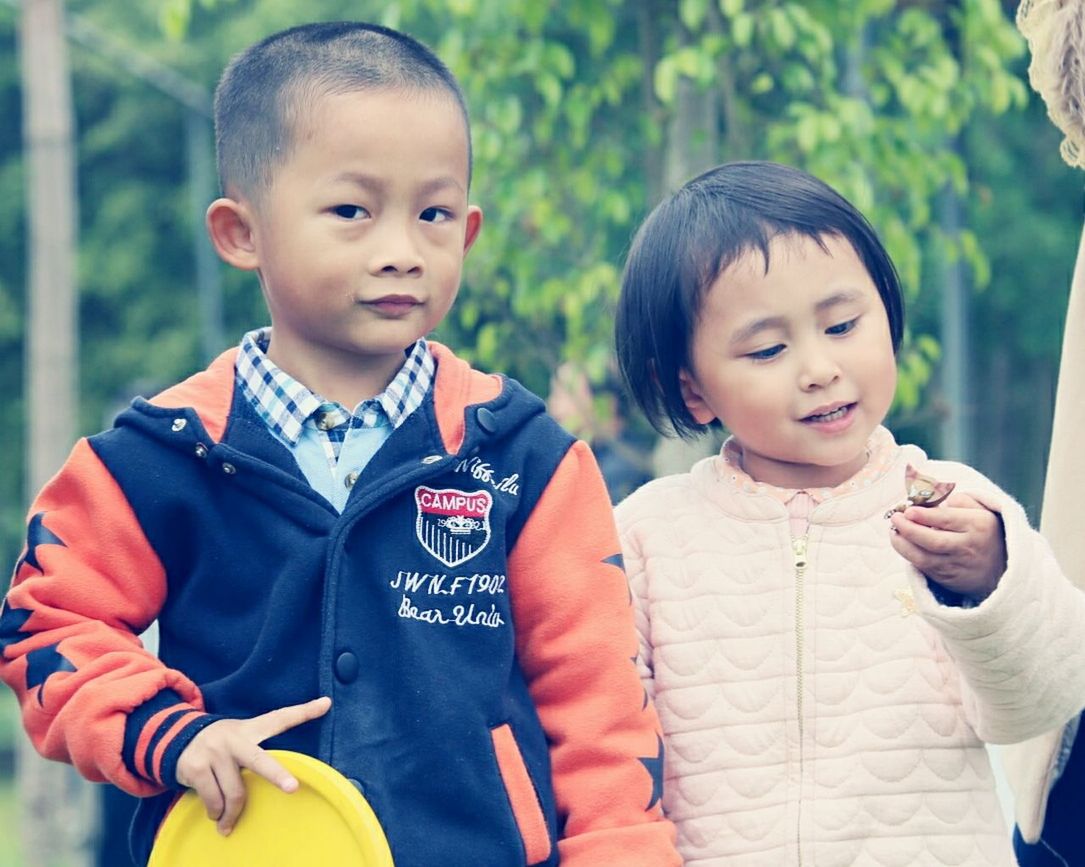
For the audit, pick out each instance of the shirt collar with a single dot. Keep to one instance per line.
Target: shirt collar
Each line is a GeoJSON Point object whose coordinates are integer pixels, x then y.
{"type": "Point", "coordinates": [880, 452]}
{"type": "Point", "coordinates": [285, 404]}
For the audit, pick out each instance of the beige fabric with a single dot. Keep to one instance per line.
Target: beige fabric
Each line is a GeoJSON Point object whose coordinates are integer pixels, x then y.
{"type": "Point", "coordinates": [1029, 765]}
{"type": "Point", "coordinates": [1055, 31]}
{"type": "Point", "coordinates": [1064, 494]}
{"type": "Point", "coordinates": [843, 713]}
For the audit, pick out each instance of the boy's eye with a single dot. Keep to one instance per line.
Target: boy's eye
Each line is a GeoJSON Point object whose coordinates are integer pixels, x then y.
{"type": "Point", "coordinates": [766, 354]}
{"type": "Point", "coordinates": [435, 215]}
{"type": "Point", "coordinates": [350, 212]}
{"type": "Point", "coordinates": [842, 327]}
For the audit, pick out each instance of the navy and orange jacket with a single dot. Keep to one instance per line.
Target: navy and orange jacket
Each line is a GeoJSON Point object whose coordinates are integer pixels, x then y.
{"type": "Point", "coordinates": [467, 613]}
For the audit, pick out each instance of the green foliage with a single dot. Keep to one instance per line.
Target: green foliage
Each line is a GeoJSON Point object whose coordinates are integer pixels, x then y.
{"type": "Point", "coordinates": [572, 104]}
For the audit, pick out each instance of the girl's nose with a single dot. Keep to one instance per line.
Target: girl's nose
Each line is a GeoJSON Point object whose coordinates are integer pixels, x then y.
{"type": "Point", "coordinates": [819, 370]}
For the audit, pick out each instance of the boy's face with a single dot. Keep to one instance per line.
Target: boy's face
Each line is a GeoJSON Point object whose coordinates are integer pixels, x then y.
{"type": "Point", "coordinates": [797, 362]}
{"type": "Point", "coordinates": [360, 239]}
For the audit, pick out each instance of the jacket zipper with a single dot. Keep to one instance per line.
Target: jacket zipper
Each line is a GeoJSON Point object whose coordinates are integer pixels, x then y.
{"type": "Point", "coordinates": [798, 551]}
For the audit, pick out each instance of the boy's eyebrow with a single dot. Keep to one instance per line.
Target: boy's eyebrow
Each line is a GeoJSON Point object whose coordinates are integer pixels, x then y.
{"type": "Point", "coordinates": [752, 329]}
{"type": "Point", "coordinates": [429, 187]}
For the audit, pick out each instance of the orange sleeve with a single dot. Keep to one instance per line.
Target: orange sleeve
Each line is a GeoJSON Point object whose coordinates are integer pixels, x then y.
{"type": "Point", "coordinates": [577, 644]}
{"type": "Point", "coordinates": [86, 584]}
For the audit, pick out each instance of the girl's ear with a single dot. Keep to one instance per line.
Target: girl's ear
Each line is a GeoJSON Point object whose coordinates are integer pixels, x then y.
{"type": "Point", "coordinates": [229, 224]}
{"type": "Point", "coordinates": [691, 394]}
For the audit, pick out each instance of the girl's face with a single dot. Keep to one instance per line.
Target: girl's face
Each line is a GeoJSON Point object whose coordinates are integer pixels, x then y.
{"type": "Point", "coordinates": [797, 363]}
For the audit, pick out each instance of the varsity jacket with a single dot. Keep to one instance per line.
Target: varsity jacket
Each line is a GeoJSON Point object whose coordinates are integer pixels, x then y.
{"type": "Point", "coordinates": [467, 613]}
{"type": "Point", "coordinates": [820, 706]}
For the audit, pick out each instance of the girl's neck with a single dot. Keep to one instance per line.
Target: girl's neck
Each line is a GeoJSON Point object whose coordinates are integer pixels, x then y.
{"type": "Point", "coordinates": [797, 476]}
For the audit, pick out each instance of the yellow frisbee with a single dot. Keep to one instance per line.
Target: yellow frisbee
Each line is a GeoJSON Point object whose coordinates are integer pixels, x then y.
{"type": "Point", "coordinates": [326, 821]}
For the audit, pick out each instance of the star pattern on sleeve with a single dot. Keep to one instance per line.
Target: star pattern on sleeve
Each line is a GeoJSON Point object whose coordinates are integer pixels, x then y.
{"type": "Point", "coordinates": [37, 534]}
{"type": "Point", "coordinates": [654, 766]}
{"type": "Point", "coordinates": [41, 664]}
{"type": "Point", "coordinates": [615, 560]}
{"type": "Point", "coordinates": [11, 624]}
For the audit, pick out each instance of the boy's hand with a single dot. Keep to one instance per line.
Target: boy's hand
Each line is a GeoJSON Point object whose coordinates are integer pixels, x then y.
{"type": "Point", "coordinates": [960, 544]}
{"type": "Point", "coordinates": [211, 764]}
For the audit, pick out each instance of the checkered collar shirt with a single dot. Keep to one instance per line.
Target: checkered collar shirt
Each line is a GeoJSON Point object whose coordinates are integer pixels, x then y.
{"type": "Point", "coordinates": [287, 406]}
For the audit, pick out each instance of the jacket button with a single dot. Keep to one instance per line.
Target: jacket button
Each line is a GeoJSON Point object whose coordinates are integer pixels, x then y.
{"type": "Point", "coordinates": [486, 420]}
{"type": "Point", "coordinates": [201, 450]}
{"type": "Point", "coordinates": [357, 784]}
{"type": "Point", "coordinates": [178, 425]}
{"type": "Point", "coordinates": [229, 469]}
{"type": "Point", "coordinates": [346, 667]}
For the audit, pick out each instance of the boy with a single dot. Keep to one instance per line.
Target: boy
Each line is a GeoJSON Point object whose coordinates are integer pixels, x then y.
{"type": "Point", "coordinates": [440, 562]}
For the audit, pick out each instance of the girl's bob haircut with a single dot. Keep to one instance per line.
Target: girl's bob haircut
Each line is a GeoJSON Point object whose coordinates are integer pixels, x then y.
{"type": "Point", "coordinates": [694, 236]}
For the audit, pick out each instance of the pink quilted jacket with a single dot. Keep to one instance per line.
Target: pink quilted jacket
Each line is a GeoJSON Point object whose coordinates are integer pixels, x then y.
{"type": "Point", "coordinates": [820, 706]}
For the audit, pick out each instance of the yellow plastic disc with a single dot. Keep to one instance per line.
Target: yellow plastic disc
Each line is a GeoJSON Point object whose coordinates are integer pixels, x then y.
{"type": "Point", "coordinates": [326, 821]}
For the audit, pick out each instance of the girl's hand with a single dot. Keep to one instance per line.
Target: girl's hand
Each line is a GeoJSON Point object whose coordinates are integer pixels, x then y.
{"type": "Point", "coordinates": [960, 544]}
{"type": "Point", "coordinates": [212, 762]}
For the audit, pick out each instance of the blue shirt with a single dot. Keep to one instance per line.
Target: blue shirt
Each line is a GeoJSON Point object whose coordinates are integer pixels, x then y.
{"type": "Point", "coordinates": [330, 444]}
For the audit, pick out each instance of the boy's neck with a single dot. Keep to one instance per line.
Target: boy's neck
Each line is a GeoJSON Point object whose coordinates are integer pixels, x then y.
{"type": "Point", "coordinates": [343, 377]}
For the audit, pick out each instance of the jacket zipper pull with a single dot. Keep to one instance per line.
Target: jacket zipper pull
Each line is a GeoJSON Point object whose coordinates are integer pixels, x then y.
{"type": "Point", "coordinates": [798, 550]}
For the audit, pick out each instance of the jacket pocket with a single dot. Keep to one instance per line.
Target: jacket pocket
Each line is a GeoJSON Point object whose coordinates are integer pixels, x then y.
{"type": "Point", "coordinates": [526, 809]}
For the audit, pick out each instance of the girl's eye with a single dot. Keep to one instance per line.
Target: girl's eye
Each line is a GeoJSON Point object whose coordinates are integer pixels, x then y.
{"type": "Point", "coordinates": [842, 327]}
{"type": "Point", "coordinates": [350, 212]}
{"type": "Point", "coordinates": [435, 215]}
{"type": "Point", "coordinates": [766, 354]}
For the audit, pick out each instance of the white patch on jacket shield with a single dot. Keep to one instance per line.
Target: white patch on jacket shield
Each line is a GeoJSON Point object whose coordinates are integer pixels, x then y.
{"type": "Point", "coordinates": [452, 525]}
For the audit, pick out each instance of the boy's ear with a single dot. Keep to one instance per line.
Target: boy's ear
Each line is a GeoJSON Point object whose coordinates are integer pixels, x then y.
{"type": "Point", "coordinates": [229, 226]}
{"type": "Point", "coordinates": [474, 226]}
{"type": "Point", "coordinates": [691, 394]}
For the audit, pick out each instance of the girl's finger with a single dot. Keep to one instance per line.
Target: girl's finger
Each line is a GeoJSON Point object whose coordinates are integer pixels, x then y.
{"type": "Point", "coordinates": [932, 540]}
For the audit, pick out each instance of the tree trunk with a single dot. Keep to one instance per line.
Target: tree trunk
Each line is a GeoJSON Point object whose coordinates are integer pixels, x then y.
{"type": "Point", "coordinates": [691, 146]}
{"type": "Point", "coordinates": [56, 805]}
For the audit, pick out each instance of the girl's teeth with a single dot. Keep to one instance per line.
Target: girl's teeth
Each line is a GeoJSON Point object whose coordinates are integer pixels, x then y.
{"type": "Point", "coordinates": [830, 416]}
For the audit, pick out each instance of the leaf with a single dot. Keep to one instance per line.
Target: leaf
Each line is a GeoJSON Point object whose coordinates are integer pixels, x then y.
{"type": "Point", "coordinates": [692, 13]}
{"type": "Point", "coordinates": [742, 29]}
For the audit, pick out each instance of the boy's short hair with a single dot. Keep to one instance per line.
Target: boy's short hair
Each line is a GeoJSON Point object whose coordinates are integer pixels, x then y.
{"type": "Point", "coordinates": [266, 88]}
{"type": "Point", "coordinates": [696, 234]}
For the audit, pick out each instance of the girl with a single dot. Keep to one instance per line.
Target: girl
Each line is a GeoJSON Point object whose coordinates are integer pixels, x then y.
{"type": "Point", "coordinates": [828, 656]}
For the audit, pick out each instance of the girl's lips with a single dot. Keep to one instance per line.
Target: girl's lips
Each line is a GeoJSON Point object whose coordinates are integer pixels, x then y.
{"type": "Point", "coordinates": [833, 421]}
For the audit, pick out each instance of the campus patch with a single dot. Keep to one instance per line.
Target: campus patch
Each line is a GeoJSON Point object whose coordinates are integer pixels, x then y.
{"type": "Point", "coordinates": [452, 525]}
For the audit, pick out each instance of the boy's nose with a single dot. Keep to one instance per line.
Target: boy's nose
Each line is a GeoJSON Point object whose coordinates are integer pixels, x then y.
{"type": "Point", "coordinates": [396, 253]}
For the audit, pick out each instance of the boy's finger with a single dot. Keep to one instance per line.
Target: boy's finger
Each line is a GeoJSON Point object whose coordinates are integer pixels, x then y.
{"type": "Point", "coordinates": [275, 722]}
{"type": "Point", "coordinates": [207, 788]}
{"type": "Point", "coordinates": [228, 776]}
{"type": "Point", "coordinates": [266, 765]}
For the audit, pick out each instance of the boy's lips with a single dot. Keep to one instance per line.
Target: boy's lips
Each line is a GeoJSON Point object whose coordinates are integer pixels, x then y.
{"type": "Point", "coordinates": [394, 305]}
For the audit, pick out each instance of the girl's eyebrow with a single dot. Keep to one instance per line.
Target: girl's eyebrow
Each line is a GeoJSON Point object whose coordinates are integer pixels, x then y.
{"type": "Point", "coordinates": [752, 329]}
{"type": "Point", "coordinates": [845, 296]}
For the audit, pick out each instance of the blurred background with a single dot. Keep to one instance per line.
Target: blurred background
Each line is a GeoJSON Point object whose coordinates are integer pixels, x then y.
{"type": "Point", "coordinates": [585, 112]}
